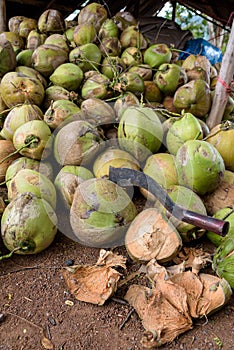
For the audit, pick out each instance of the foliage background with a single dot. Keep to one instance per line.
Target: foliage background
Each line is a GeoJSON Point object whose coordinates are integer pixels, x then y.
{"type": "Point", "coordinates": [199, 24]}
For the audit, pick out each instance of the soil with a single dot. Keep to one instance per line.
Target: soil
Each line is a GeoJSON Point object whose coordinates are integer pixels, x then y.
{"type": "Point", "coordinates": [38, 312]}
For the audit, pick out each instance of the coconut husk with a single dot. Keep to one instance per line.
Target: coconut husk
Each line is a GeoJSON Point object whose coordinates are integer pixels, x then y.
{"type": "Point", "coordinates": [94, 283]}
{"type": "Point", "coordinates": [153, 268]}
{"type": "Point", "coordinates": [177, 296]}
{"type": "Point", "coordinates": [162, 309]}
{"type": "Point", "coordinates": [206, 293]}
{"type": "Point", "coordinates": [187, 255]}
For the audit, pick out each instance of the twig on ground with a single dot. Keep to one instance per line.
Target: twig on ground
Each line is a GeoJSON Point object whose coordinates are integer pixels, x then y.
{"type": "Point", "coordinates": [126, 319]}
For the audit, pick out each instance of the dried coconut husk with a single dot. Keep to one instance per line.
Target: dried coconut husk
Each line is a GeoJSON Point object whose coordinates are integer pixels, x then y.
{"type": "Point", "coordinates": [163, 310]}
{"type": "Point", "coordinates": [177, 296]}
{"type": "Point", "coordinates": [223, 196]}
{"type": "Point", "coordinates": [153, 268]}
{"type": "Point", "coordinates": [151, 235]}
{"type": "Point", "coordinates": [206, 293]}
{"type": "Point", "coordinates": [188, 255]}
{"type": "Point", "coordinates": [94, 283]}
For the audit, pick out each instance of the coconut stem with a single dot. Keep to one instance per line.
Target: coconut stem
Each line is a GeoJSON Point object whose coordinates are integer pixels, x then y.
{"type": "Point", "coordinates": [18, 150]}
{"type": "Point", "coordinates": [225, 126]}
{"type": "Point", "coordinates": [9, 255]}
{"type": "Point", "coordinates": [129, 177]}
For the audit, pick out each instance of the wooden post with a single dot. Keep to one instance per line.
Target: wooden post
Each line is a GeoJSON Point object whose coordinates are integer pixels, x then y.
{"type": "Point", "coordinates": [225, 77]}
{"type": "Point", "coordinates": [3, 24]}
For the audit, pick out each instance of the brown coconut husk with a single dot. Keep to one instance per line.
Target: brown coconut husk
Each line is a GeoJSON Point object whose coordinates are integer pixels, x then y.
{"type": "Point", "coordinates": [94, 283]}
{"type": "Point", "coordinates": [163, 310]}
{"type": "Point", "coordinates": [206, 293]}
{"type": "Point", "coordinates": [176, 298]}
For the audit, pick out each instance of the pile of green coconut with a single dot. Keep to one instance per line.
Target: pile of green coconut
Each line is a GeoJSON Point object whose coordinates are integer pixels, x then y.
{"type": "Point", "coordinates": [78, 97]}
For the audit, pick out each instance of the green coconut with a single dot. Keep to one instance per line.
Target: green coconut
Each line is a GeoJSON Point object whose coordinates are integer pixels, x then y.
{"type": "Point", "coordinates": [87, 56]}
{"type": "Point", "coordinates": [33, 73]}
{"type": "Point", "coordinates": [187, 199]}
{"type": "Point", "coordinates": [28, 180]}
{"type": "Point", "coordinates": [124, 19]}
{"type": "Point", "coordinates": [95, 85]}
{"type": "Point", "coordinates": [17, 88]}
{"type": "Point", "coordinates": [114, 157]}
{"type": "Point", "coordinates": [157, 54]}
{"type": "Point", "coordinates": [151, 92]}
{"type": "Point", "coordinates": [7, 56]}
{"type": "Point", "coordinates": [20, 163]}
{"type": "Point", "coordinates": [21, 224]}
{"type": "Point", "coordinates": [51, 21]}
{"type": "Point", "coordinates": [67, 75]}
{"type": "Point", "coordinates": [132, 56]}
{"type": "Point", "coordinates": [33, 139]}
{"type": "Point", "coordinates": [112, 66]}
{"type": "Point", "coordinates": [101, 212]}
{"type": "Point", "coordinates": [80, 147]}
{"type": "Point", "coordinates": [54, 93]}
{"type": "Point", "coordinates": [15, 39]}
{"type": "Point", "coordinates": [144, 70]}
{"type": "Point", "coordinates": [57, 40]}
{"type": "Point", "coordinates": [110, 47]}
{"type": "Point", "coordinates": [221, 137]}
{"type": "Point", "coordinates": [169, 77]}
{"type": "Point", "coordinates": [59, 111]}
{"type": "Point", "coordinates": [19, 115]}
{"type": "Point", "coordinates": [185, 128]}
{"type": "Point", "coordinates": [140, 132]}
{"type": "Point", "coordinates": [26, 26]}
{"type": "Point", "coordinates": [200, 166]}
{"type": "Point", "coordinates": [94, 13]}
{"type": "Point", "coordinates": [97, 112]}
{"type": "Point", "coordinates": [197, 67]}
{"type": "Point", "coordinates": [223, 260]}
{"type": "Point", "coordinates": [124, 101]}
{"type": "Point", "coordinates": [193, 97]}
{"type": "Point", "coordinates": [227, 214]}
{"type": "Point", "coordinates": [108, 29]}
{"type": "Point", "coordinates": [24, 57]}
{"type": "Point", "coordinates": [35, 39]}
{"type": "Point", "coordinates": [68, 179]}
{"type": "Point", "coordinates": [131, 81]}
{"type": "Point", "coordinates": [84, 33]}
{"type": "Point", "coordinates": [46, 58]}
{"type": "Point", "coordinates": [160, 167]}
{"type": "Point", "coordinates": [131, 36]}
{"type": "Point", "coordinates": [14, 23]}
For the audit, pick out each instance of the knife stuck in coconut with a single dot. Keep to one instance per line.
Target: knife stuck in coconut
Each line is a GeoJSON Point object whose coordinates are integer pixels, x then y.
{"type": "Point", "coordinates": [130, 177]}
